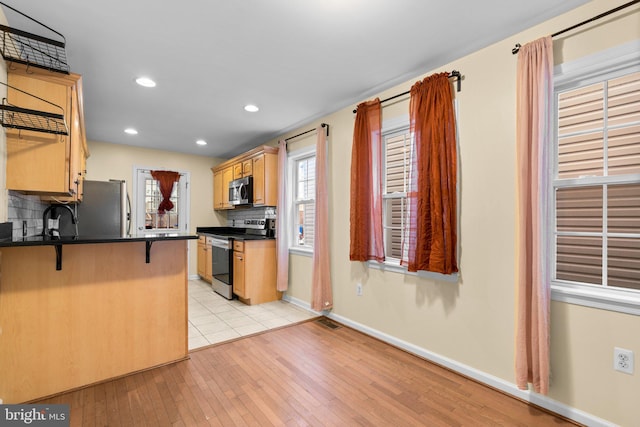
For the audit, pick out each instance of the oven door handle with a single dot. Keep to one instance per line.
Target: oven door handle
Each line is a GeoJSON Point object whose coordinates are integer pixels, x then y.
{"type": "Point", "coordinates": [221, 243]}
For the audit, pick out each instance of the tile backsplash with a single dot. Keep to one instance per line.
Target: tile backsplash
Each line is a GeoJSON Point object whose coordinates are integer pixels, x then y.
{"type": "Point", "coordinates": [240, 215]}
{"type": "Point", "coordinates": [25, 208]}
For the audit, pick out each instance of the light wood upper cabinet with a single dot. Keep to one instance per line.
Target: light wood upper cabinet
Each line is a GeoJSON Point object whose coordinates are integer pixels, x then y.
{"type": "Point", "coordinates": [237, 171]}
{"type": "Point", "coordinates": [262, 164]}
{"type": "Point", "coordinates": [242, 169]}
{"type": "Point", "coordinates": [265, 180]}
{"type": "Point", "coordinates": [227, 177]}
{"type": "Point", "coordinates": [43, 163]}
{"type": "Point", "coordinates": [217, 190]}
{"type": "Point", "coordinates": [221, 180]}
{"type": "Point", "coordinates": [247, 168]}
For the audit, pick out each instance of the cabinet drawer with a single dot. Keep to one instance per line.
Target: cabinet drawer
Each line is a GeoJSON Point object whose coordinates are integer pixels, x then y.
{"type": "Point", "coordinates": [238, 246]}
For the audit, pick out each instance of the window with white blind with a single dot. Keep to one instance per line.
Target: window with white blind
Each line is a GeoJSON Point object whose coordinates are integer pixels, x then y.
{"type": "Point", "coordinates": [302, 174]}
{"type": "Point", "coordinates": [396, 151]}
{"type": "Point", "coordinates": [397, 157]}
{"type": "Point", "coordinates": [594, 224]}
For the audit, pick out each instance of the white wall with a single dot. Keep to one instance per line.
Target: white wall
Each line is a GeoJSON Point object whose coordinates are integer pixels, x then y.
{"type": "Point", "coordinates": [471, 322]}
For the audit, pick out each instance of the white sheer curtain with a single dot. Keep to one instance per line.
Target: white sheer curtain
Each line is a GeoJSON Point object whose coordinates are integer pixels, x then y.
{"type": "Point", "coordinates": [282, 223]}
{"type": "Point", "coordinates": [321, 293]}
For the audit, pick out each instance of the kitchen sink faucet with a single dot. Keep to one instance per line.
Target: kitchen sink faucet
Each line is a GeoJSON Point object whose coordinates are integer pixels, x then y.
{"type": "Point", "coordinates": [54, 230]}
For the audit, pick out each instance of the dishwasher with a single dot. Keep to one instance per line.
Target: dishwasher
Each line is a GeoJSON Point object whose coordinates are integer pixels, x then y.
{"type": "Point", "coordinates": [222, 266]}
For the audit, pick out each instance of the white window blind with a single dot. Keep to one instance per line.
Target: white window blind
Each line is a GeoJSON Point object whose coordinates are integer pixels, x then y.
{"type": "Point", "coordinates": [397, 152]}
{"type": "Point", "coordinates": [304, 201]}
{"type": "Point", "coordinates": [597, 184]}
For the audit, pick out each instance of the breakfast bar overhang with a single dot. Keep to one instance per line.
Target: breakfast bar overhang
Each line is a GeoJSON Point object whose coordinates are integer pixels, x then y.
{"type": "Point", "coordinates": [106, 313]}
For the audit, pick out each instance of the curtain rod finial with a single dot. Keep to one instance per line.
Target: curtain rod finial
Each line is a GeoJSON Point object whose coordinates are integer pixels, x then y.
{"type": "Point", "coordinates": [516, 48]}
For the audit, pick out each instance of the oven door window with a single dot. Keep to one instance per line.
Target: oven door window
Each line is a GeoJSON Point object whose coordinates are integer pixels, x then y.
{"type": "Point", "coordinates": [221, 268]}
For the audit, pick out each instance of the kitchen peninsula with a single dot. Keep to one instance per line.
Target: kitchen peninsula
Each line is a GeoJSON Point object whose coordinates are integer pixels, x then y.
{"type": "Point", "coordinates": [76, 311]}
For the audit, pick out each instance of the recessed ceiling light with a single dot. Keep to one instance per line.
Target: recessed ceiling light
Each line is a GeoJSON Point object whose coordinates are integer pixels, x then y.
{"type": "Point", "coordinates": [251, 108]}
{"type": "Point", "coordinates": [201, 142]}
{"type": "Point", "coordinates": [131, 131]}
{"type": "Point", "coordinates": [146, 82]}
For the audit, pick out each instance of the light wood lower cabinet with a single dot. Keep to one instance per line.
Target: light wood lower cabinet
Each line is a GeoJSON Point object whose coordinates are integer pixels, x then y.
{"type": "Point", "coordinates": [208, 262]}
{"type": "Point", "coordinates": [205, 258]}
{"type": "Point", "coordinates": [238, 274]}
{"type": "Point", "coordinates": [201, 256]}
{"type": "Point", "coordinates": [254, 271]}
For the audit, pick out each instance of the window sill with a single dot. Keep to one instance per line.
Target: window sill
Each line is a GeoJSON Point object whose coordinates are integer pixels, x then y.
{"type": "Point", "coordinates": [394, 266]}
{"type": "Point", "coordinates": [613, 300]}
{"type": "Point", "coordinates": [301, 251]}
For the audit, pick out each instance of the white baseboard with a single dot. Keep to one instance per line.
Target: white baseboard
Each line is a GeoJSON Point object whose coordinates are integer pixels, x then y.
{"type": "Point", "coordinates": [193, 277]}
{"type": "Point", "coordinates": [480, 376]}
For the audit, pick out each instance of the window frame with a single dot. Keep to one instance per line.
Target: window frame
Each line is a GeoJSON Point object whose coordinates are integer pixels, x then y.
{"type": "Point", "coordinates": [392, 126]}
{"type": "Point", "coordinates": [293, 158]}
{"type": "Point", "coordinates": [606, 65]}
{"type": "Point", "coordinates": [138, 209]}
{"type": "Point", "coordinates": [401, 126]}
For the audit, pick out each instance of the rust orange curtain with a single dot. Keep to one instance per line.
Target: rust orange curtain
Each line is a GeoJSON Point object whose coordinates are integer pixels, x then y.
{"type": "Point", "coordinates": [431, 236]}
{"type": "Point", "coordinates": [534, 104]}
{"type": "Point", "coordinates": [321, 292]}
{"type": "Point", "coordinates": [366, 185]}
{"type": "Point", "coordinates": [166, 179]}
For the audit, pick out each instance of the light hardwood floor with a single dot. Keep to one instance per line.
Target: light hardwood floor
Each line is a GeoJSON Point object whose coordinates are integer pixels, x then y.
{"type": "Point", "coordinates": [304, 374]}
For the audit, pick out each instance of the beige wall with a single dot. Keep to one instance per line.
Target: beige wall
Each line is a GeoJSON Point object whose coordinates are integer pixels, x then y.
{"type": "Point", "coordinates": [472, 321]}
{"type": "Point", "coordinates": [114, 161]}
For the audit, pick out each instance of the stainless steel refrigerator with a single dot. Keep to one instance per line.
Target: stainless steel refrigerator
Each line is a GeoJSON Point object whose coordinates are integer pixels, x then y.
{"type": "Point", "coordinates": [105, 210]}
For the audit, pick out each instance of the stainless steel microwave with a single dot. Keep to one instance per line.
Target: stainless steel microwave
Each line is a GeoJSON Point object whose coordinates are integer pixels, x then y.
{"type": "Point", "coordinates": [241, 191]}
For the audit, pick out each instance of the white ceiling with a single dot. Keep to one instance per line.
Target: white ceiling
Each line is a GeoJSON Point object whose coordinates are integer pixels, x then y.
{"type": "Point", "coordinates": [297, 60]}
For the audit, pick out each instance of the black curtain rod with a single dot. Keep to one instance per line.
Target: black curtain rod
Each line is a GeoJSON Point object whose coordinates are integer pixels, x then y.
{"type": "Point", "coordinates": [454, 73]}
{"type": "Point", "coordinates": [308, 131]}
{"type": "Point", "coordinates": [595, 18]}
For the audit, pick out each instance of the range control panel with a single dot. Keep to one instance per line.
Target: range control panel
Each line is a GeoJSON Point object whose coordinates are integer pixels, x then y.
{"type": "Point", "coordinates": [255, 223]}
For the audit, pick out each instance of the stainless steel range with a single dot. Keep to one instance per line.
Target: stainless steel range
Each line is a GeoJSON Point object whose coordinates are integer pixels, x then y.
{"type": "Point", "coordinates": [222, 266]}
{"type": "Point", "coordinates": [260, 227]}
{"type": "Point", "coordinates": [222, 238]}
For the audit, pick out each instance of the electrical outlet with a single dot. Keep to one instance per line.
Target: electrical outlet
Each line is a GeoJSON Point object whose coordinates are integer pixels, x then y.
{"type": "Point", "coordinates": [359, 289]}
{"type": "Point", "coordinates": [623, 360]}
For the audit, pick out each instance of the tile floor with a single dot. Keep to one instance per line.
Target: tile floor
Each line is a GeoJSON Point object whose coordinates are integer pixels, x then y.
{"type": "Point", "coordinates": [214, 319]}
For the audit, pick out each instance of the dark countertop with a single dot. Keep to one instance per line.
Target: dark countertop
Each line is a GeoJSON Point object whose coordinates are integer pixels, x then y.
{"type": "Point", "coordinates": [232, 232]}
{"type": "Point", "coordinates": [73, 240]}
